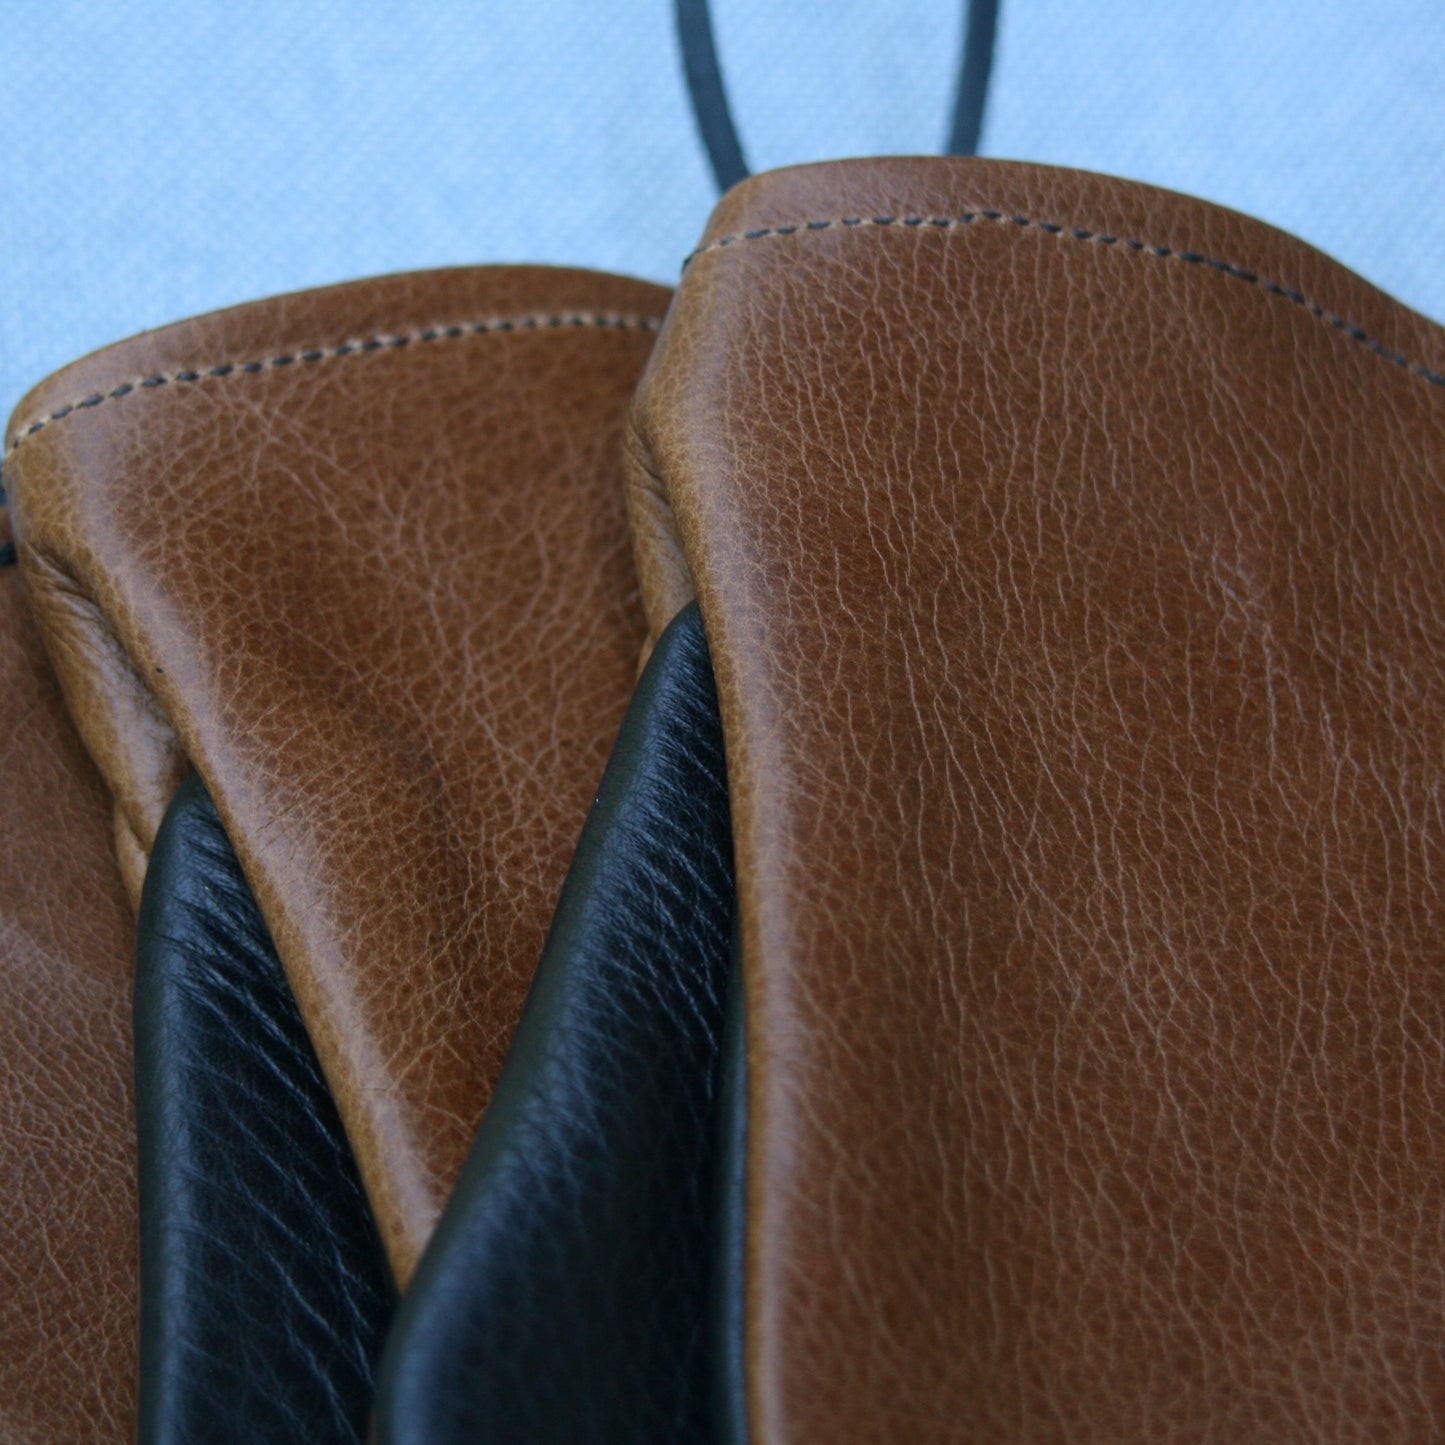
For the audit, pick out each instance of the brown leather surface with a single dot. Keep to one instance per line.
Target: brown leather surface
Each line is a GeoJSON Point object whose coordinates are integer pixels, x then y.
{"type": "Point", "coordinates": [360, 556]}
{"type": "Point", "coordinates": [1075, 579]}
{"type": "Point", "coordinates": [68, 1235]}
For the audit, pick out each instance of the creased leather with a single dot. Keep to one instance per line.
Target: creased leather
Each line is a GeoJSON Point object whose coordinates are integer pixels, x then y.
{"type": "Point", "coordinates": [68, 1274]}
{"type": "Point", "coordinates": [564, 1296]}
{"type": "Point", "coordinates": [359, 557]}
{"type": "Point", "coordinates": [1072, 558]}
{"type": "Point", "coordinates": [265, 1291]}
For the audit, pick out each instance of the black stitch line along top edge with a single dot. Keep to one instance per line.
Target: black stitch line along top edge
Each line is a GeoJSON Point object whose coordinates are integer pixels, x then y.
{"type": "Point", "coordinates": [1098, 238]}
{"type": "Point", "coordinates": [552, 321]}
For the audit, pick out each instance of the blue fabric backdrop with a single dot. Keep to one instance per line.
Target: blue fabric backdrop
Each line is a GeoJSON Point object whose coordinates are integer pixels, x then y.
{"type": "Point", "coordinates": [163, 159]}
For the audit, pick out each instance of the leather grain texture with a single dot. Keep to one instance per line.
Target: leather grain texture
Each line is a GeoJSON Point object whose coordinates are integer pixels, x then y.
{"type": "Point", "coordinates": [68, 1271]}
{"type": "Point", "coordinates": [265, 1292]}
{"type": "Point", "coordinates": [1072, 558]}
{"type": "Point", "coordinates": [359, 557]}
{"type": "Point", "coordinates": [564, 1296]}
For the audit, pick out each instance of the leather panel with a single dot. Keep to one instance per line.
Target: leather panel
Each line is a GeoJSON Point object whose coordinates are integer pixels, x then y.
{"type": "Point", "coordinates": [359, 557]}
{"type": "Point", "coordinates": [564, 1296]}
{"type": "Point", "coordinates": [68, 1271]}
{"type": "Point", "coordinates": [1070, 554]}
{"type": "Point", "coordinates": [265, 1291]}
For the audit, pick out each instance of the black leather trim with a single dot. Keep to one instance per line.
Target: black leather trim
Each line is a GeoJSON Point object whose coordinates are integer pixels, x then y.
{"type": "Point", "coordinates": [7, 548]}
{"type": "Point", "coordinates": [729, 1363]}
{"type": "Point", "coordinates": [264, 1288]}
{"type": "Point", "coordinates": [564, 1295]}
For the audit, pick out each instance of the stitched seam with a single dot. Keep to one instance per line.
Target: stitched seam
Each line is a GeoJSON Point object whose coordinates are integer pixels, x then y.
{"type": "Point", "coordinates": [1097, 238]}
{"type": "Point", "coordinates": [310, 355]}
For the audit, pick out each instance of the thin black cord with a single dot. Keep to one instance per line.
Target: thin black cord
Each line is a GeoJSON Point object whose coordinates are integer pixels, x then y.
{"type": "Point", "coordinates": [973, 74]}
{"type": "Point", "coordinates": [709, 95]}
{"type": "Point", "coordinates": [714, 117]}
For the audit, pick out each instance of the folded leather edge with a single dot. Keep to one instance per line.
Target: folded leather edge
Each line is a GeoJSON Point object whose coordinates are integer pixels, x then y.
{"type": "Point", "coordinates": [123, 720]}
{"type": "Point", "coordinates": [874, 197]}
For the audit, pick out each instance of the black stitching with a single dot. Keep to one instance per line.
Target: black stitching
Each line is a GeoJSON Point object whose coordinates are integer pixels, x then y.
{"type": "Point", "coordinates": [1240, 273]}
{"type": "Point", "coordinates": [602, 320]}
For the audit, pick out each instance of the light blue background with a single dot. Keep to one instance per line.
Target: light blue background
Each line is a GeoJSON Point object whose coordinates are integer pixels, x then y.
{"type": "Point", "coordinates": [163, 159]}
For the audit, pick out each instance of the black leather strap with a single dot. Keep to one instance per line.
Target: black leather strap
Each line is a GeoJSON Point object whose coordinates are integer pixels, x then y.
{"type": "Point", "coordinates": [708, 90]}
{"type": "Point", "coordinates": [564, 1295]}
{"type": "Point", "coordinates": [264, 1289]}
